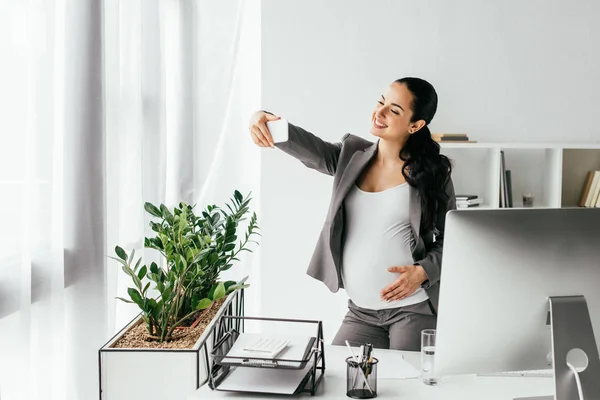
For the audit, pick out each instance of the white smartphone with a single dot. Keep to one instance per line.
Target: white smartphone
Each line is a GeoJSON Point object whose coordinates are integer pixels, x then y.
{"type": "Point", "coordinates": [278, 130]}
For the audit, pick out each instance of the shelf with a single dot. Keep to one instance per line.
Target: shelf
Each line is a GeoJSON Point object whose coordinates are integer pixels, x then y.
{"type": "Point", "coordinates": [576, 164]}
{"type": "Point", "coordinates": [475, 171]}
{"type": "Point", "coordinates": [554, 173]}
{"type": "Point", "coordinates": [535, 172]}
{"type": "Point", "coordinates": [481, 206]}
{"type": "Point", "coordinates": [517, 145]}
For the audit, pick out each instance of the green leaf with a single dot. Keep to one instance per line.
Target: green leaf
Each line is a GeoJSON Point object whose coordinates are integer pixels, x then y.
{"type": "Point", "coordinates": [166, 292]}
{"type": "Point", "coordinates": [229, 247]}
{"type": "Point", "coordinates": [215, 218]}
{"type": "Point", "coordinates": [121, 253]}
{"type": "Point", "coordinates": [155, 227]}
{"type": "Point", "coordinates": [142, 272]}
{"type": "Point", "coordinates": [211, 292]}
{"type": "Point", "coordinates": [166, 213]}
{"type": "Point", "coordinates": [135, 296]}
{"type": "Point", "coordinates": [219, 291]}
{"type": "Point", "coordinates": [195, 298]}
{"type": "Point", "coordinates": [125, 300]}
{"type": "Point", "coordinates": [238, 196]}
{"type": "Point", "coordinates": [218, 224]}
{"type": "Point", "coordinates": [152, 305]}
{"type": "Point", "coordinates": [152, 210]}
{"type": "Point", "coordinates": [130, 260]}
{"type": "Point", "coordinates": [118, 259]}
{"type": "Point", "coordinates": [203, 304]}
{"type": "Point", "coordinates": [128, 270]}
{"type": "Point", "coordinates": [183, 261]}
{"type": "Point", "coordinates": [154, 268]}
{"type": "Point", "coordinates": [233, 288]}
{"type": "Point", "coordinates": [226, 267]}
{"type": "Point", "coordinates": [137, 281]}
{"type": "Point", "coordinates": [145, 289]}
{"type": "Point", "coordinates": [158, 244]}
{"type": "Point", "coordinates": [231, 238]}
{"type": "Point", "coordinates": [137, 264]}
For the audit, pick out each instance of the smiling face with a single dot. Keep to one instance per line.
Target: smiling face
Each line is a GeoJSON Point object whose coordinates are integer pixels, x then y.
{"type": "Point", "coordinates": [391, 119]}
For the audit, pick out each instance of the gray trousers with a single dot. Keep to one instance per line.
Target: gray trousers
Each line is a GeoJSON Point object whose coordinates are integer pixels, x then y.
{"type": "Point", "coordinates": [394, 328]}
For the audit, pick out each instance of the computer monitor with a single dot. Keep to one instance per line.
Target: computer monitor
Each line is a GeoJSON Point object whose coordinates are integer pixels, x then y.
{"type": "Point", "coordinates": [499, 269]}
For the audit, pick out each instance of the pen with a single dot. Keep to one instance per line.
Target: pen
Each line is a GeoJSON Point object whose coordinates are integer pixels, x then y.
{"type": "Point", "coordinates": [355, 358]}
{"type": "Point", "coordinates": [369, 352]}
{"type": "Point", "coordinates": [366, 365]}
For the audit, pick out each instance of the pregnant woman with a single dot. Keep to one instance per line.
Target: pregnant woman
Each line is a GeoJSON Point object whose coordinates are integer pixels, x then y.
{"type": "Point", "coordinates": [383, 236]}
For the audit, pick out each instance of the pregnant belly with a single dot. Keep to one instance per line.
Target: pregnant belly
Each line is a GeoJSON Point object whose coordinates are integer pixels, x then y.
{"type": "Point", "coordinates": [372, 272]}
{"type": "Point", "coordinates": [371, 279]}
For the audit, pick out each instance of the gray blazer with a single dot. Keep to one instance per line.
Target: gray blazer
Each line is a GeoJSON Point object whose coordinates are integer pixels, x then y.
{"type": "Point", "coordinates": [345, 161]}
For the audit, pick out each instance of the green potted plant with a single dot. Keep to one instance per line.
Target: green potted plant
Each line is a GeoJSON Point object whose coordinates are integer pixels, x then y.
{"type": "Point", "coordinates": [180, 300]}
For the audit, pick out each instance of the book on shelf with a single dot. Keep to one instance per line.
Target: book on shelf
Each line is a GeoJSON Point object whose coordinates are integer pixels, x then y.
{"type": "Point", "coordinates": [459, 206]}
{"type": "Point", "coordinates": [508, 178]}
{"type": "Point", "coordinates": [469, 203]}
{"type": "Point", "coordinates": [506, 197]}
{"type": "Point", "coordinates": [465, 197]}
{"type": "Point", "coordinates": [451, 137]}
{"type": "Point", "coordinates": [590, 193]}
{"type": "Point", "coordinates": [468, 200]}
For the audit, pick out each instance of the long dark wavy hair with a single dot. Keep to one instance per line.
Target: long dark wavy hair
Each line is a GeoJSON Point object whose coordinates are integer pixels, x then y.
{"type": "Point", "coordinates": [424, 167]}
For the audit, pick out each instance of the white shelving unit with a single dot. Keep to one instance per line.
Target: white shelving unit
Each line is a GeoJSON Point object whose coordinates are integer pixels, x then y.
{"type": "Point", "coordinates": [554, 173]}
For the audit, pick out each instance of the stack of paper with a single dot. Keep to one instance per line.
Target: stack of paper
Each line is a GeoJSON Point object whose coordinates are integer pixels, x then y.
{"type": "Point", "coordinates": [265, 347]}
{"type": "Point", "coordinates": [262, 380]}
{"type": "Point", "coordinates": [282, 347]}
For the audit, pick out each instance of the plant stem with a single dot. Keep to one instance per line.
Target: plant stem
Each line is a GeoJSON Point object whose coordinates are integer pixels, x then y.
{"type": "Point", "coordinates": [187, 316]}
{"type": "Point", "coordinates": [173, 312]}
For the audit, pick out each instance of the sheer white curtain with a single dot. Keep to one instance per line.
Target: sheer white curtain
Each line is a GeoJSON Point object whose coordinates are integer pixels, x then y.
{"type": "Point", "coordinates": [181, 80]}
{"type": "Point", "coordinates": [52, 256]}
{"type": "Point", "coordinates": [105, 105]}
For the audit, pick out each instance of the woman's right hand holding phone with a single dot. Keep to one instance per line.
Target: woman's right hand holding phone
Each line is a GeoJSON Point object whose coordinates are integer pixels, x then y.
{"type": "Point", "coordinates": [258, 128]}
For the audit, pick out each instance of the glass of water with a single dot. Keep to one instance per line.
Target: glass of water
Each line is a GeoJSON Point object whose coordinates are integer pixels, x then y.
{"type": "Point", "coordinates": [428, 357]}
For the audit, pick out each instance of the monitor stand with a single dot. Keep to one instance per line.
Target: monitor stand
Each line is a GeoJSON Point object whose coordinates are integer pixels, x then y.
{"type": "Point", "coordinates": [572, 329]}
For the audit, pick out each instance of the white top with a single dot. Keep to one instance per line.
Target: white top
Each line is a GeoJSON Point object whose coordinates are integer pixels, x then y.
{"type": "Point", "coordinates": [378, 236]}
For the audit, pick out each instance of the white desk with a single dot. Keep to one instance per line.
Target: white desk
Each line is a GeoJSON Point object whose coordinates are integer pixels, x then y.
{"type": "Point", "coordinates": [466, 387]}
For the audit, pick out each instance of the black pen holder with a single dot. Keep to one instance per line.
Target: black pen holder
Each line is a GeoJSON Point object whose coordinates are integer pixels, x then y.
{"type": "Point", "coordinates": [361, 379]}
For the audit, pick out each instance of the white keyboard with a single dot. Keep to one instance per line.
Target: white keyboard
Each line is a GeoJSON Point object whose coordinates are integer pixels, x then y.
{"type": "Point", "coordinates": [538, 373]}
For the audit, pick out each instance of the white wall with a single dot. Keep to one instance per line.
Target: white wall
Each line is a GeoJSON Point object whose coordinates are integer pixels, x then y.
{"type": "Point", "coordinates": [504, 71]}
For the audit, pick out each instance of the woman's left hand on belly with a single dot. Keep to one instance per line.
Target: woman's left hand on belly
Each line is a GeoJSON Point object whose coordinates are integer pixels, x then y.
{"type": "Point", "coordinates": [411, 278]}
